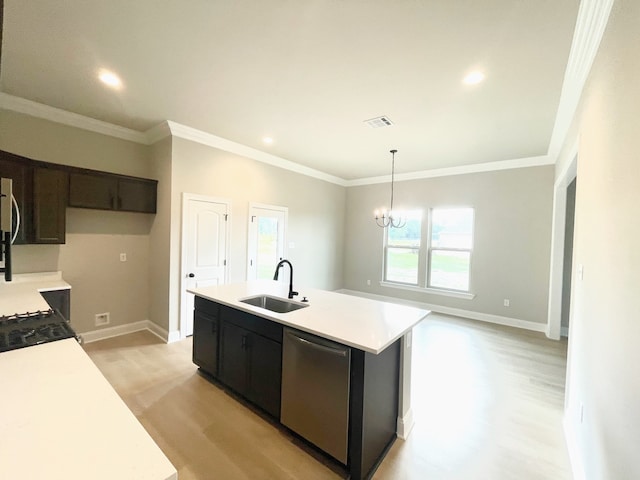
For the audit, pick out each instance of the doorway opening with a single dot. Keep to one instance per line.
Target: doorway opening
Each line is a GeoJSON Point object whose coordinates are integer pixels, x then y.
{"type": "Point", "coordinates": [567, 269]}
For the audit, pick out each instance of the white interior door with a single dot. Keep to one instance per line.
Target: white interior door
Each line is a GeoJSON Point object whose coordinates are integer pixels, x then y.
{"type": "Point", "coordinates": [266, 243]}
{"type": "Point", "coordinates": [204, 249]}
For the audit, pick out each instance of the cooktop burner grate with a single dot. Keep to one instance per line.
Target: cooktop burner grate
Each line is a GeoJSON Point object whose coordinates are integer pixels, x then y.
{"type": "Point", "coordinates": [32, 328]}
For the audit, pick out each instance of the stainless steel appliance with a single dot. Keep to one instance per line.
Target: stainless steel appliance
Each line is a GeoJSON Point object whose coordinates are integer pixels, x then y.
{"type": "Point", "coordinates": [9, 225]}
{"type": "Point", "coordinates": [315, 391]}
{"type": "Point", "coordinates": [27, 329]}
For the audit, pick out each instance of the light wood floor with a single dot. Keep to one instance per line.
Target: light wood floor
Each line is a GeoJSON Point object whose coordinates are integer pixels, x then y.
{"type": "Point", "coordinates": [487, 401]}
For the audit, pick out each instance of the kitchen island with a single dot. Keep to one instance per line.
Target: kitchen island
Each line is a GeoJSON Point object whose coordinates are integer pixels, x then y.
{"type": "Point", "coordinates": [244, 347]}
{"type": "Point", "coordinates": [59, 417]}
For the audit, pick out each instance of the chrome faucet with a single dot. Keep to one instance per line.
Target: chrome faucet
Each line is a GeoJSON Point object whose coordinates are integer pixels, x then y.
{"type": "Point", "coordinates": [275, 276]}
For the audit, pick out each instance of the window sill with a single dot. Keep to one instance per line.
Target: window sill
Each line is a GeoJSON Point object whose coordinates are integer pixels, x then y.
{"type": "Point", "coordinates": [433, 291]}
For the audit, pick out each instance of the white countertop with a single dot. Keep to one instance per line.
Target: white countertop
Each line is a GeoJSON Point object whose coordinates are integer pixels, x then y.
{"type": "Point", "coordinates": [61, 420]}
{"type": "Point", "coordinates": [368, 325]}
{"type": "Point", "coordinates": [22, 294]}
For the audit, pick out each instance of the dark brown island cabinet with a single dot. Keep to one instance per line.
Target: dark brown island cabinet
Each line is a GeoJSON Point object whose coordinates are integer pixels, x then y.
{"type": "Point", "coordinates": [43, 191]}
{"type": "Point", "coordinates": [243, 352]}
{"type": "Point", "coordinates": [59, 300]}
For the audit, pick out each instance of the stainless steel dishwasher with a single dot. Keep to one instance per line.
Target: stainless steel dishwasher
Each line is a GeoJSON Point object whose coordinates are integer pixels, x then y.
{"type": "Point", "coordinates": [315, 391]}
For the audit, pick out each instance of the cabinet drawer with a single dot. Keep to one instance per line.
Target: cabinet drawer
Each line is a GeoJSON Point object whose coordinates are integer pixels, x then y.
{"type": "Point", "coordinates": [207, 306]}
{"type": "Point", "coordinates": [261, 326]}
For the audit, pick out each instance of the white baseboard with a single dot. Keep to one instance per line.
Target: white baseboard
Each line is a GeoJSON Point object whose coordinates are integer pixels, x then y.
{"type": "Point", "coordinates": [458, 312]}
{"type": "Point", "coordinates": [575, 455]}
{"type": "Point", "coordinates": [174, 336]}
{"type": "Point", "coordinates": [109, 332]}
{"type": "Point", "coordinates": [404, 425]}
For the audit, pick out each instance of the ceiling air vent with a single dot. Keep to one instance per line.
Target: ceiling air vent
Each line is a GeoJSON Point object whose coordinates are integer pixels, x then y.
{"type": "Point", "coordinates": [379, 122]}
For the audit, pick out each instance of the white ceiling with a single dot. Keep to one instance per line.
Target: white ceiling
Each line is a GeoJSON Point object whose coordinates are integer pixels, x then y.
{"type": "Point", "coordinates": [307, 73]}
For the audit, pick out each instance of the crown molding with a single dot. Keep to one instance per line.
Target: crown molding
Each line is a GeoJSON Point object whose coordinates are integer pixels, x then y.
{"type": "Point", "coordinates": [462, 170]}
{"type": "Point", "coordinates": [170, 128]}
{"type": "Point", "coordinates": [593, 16]}
{"type": "Point", "coordinates": [204, 138]}
{"type": "Point", "coordinates": [57, 115]}
{"type": "Point", "coordinates": [160, 131]}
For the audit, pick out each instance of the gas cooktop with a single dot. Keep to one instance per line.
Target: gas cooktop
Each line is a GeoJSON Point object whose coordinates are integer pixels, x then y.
{"type": "Point", "coordinates": [33, 328]}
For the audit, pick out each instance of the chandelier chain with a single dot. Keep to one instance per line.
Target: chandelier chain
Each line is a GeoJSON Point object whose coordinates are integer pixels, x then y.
{"type": "Point", "coordinates": [391, 220]}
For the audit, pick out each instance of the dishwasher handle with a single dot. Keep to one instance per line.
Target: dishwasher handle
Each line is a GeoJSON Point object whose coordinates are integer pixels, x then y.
{"type": "Point", "coordinates": [334, 351]}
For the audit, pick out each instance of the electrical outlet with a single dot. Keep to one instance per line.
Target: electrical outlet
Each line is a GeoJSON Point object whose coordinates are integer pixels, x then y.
{"type": "Point", "coordinates": [506, 302]}
{"type": "Point", "coordinates": [123, 257]}
{"type": "Point", "coordinates": [102, 319]}
{"type": "Point", "coordinates": [368, 282]}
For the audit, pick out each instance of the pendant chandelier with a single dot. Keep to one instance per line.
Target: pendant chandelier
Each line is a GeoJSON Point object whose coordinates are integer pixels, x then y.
{"type": "Point", "coordinates": [390, 218]}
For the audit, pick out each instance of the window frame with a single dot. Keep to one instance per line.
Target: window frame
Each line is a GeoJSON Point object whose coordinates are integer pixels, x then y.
{"type": "Point", "coordinates": [425, 251]}
{"type": "Point", "coordinates": [431, 248]}
{"type": "Point", "coordinates": [420, 248]}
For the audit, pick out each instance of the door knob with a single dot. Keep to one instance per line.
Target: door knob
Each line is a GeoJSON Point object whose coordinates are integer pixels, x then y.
{"type": "Point", "coordinates": [191, 275]}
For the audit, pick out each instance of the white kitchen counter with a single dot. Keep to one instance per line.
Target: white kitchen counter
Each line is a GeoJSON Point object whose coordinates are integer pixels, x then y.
{"type": "Point", "coordinates": [22, 294]}
{"type": "Point", "coordinates": [368, 325]}
{"type": "Point", "coordinates": [61, 420]}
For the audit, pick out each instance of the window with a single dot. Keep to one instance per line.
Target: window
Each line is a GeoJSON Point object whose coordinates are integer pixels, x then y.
{"type": "Point", "coordinates": [437, 257]}
{"type": "Point", "coordinates": [267, 228]}
{"type": "Point", "coordinates": [451, 239]}
{"type": "Point", "coordinates": [402, 250]}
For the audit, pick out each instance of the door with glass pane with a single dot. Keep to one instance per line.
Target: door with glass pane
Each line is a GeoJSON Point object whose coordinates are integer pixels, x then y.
{"type": "Point", "coordinates": [266, 245]}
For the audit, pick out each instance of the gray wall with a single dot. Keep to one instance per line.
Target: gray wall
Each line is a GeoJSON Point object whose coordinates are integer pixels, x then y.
{"type": "Point", "coordinates": [315, 222]}
{"type": "Point", "coordinates": [147, 285]}
{"type": "Point", "coordinates": [160, 237]}
{"type": "Point", "coordinates": [603, 340]}
{"type": "Point", "coordinates": [512, 238]}
{"type": "Point", "coordinates": [90, 259]}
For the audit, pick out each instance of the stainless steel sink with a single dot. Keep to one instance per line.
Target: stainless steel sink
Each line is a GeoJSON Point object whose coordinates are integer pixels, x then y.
{"type": "Point", "coordinates": [274, 304]}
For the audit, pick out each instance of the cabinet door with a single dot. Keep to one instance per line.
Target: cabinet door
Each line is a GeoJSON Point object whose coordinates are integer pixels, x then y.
{"type": "Point", "coordinates": [59, 300]}
{"type": "Point", "coordinates": [265, 373]}
{"type": "Point", "coordinates": [233, 356]}
{"type": "Point", "coordinates": [88, 190]}
{"type": "Point", "coordinates": [17, 170]}
{"type": "Point", "coordinates": [49, 205]}
{"type": "Point", "coordinates": [137, 195]}
{"type": "Point", "coordinates": [205, 342]}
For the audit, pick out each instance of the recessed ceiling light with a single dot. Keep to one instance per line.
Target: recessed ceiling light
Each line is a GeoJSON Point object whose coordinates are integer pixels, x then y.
{"type": "Point", "coordinates": [473, 78]}
{"type": "Point", "coordinates": [110, 79]}
{"type": "Point", "coordinates": [267, 140]}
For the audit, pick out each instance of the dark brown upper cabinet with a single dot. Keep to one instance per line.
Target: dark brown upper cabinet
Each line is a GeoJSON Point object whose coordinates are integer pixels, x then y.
{"type": "Point", "coordinates": [104, 191]}
{"type": "Point", "coordinates": [49, 205]}
{"type": "Point", "coordinates": [137, 195]}
{"type": "Point", "coordinates": [44, 190]}
{"type": "Point", "coordinates": [92, 190]}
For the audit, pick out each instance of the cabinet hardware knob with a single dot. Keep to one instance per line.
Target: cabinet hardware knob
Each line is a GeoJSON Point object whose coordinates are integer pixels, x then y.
{"type": "Point", "coordinates": [191, 275]}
